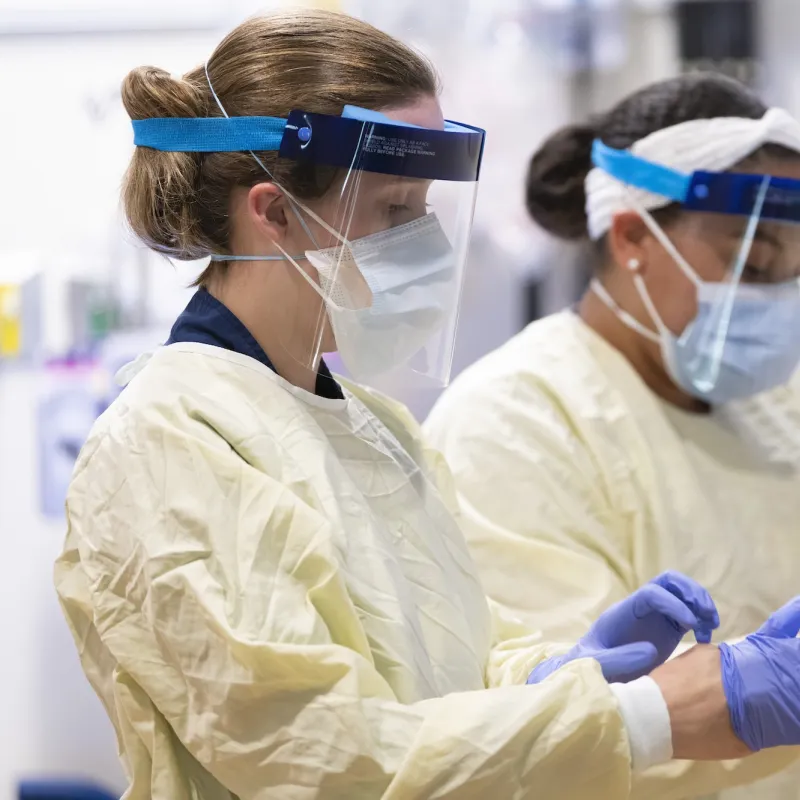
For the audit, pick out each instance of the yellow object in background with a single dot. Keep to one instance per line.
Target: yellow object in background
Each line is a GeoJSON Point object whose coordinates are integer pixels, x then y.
{"type": "Point", "coordinates": [10, 322]}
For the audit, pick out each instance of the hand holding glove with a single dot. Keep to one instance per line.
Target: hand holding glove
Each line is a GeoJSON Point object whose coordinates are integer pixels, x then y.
{"type": "Point", "coordinates": [761, 679]}
{"type": "Point", "coordinates": [637, 634]}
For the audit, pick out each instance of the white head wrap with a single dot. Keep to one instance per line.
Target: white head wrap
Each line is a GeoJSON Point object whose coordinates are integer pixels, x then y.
{"type": "Point", "coordinates": [711, 145]}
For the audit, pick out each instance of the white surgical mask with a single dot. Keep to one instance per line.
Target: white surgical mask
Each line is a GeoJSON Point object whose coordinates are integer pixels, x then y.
{"type": "Point", "coordinates": [761, 347]}
{"type": "Point", "coordinates": [387, 294]}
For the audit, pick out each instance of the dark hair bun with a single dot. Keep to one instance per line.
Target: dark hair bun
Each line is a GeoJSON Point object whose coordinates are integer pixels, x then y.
{"type": "Point", "coordinates": [554, 190]}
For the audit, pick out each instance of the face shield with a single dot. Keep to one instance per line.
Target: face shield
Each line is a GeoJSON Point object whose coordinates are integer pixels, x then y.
{"type": "Point", "coordinates": [745, 337]}
{"type": "Point", "coordinates": [384, 244]}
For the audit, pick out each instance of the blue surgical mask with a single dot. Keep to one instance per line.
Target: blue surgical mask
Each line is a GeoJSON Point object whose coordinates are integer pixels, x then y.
{"type": "Point", "coordinates": [761, 349]}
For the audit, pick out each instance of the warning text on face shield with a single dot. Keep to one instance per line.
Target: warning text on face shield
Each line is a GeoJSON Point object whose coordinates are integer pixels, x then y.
{"type": "Point", "coordinates": [396, 146]}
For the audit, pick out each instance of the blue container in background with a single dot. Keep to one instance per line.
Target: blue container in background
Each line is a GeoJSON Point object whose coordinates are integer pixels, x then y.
{"type": "Point", "coordinates": [62, 790]}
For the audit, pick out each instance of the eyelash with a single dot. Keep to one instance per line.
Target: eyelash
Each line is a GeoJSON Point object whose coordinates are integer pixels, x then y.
{"type": "Point", "coordinates": [754, 272]}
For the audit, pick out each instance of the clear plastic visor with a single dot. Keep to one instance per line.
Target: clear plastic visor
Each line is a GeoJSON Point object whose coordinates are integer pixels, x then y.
{"type": "Point", "coordinates": [741, 234]}
{"type": "Point", "coordinates": [738, 241]}
{"type": "Point", "coordinates": [378, 257]}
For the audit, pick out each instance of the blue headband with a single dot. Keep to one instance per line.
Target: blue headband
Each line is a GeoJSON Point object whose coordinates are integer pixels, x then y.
{"type": "Point", "coordinates": [389, 146]}
{"type": "Point", "coordinates": [209, 135]}
{"type": "Point", "coordinates": [240, 134]}
{"type": "Point", "coordinates": [713, 192]}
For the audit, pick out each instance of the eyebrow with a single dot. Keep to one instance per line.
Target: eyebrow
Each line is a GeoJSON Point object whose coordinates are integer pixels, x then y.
{"type": "Point", "coordinates": [761, 236]}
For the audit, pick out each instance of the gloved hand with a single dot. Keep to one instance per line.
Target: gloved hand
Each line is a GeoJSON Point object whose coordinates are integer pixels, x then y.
{"type": "Point", "coordinates": [761, 678]}
{"type": "Point", "coordinates": [637, 634]}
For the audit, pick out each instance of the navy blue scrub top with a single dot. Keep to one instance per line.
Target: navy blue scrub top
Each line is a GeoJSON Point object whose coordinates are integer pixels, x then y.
{"type": "Point", "coordinates": [207, 321]}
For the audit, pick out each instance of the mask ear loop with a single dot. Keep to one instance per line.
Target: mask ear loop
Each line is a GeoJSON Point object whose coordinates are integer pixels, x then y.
{"type": "Point", "coordinates": [295, 203]}
{"type": "Point", "coordinates": [310, 281]}
{"type": "Point", "coordinates": [624, 316]}
{"type": "Point", "coordinates": [638, 281]}
{"type": "Point", "coordinates": [663, 239]}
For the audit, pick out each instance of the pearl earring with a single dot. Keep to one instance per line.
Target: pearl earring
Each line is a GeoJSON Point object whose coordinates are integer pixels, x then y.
{"type": "Point", "coordinates": [634, 264]}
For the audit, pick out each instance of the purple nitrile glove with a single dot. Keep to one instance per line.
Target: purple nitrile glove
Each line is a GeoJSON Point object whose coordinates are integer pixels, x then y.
{"type": "Point", "coordinates": [761, 678]}
{"type": "Point", "coordinates": [637, 634]}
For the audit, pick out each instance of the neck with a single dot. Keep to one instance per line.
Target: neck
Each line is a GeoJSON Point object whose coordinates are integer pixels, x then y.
{"type": "Point", "coordinates": [248, 304]}
{"type": "Point", "coordinates": [644, 356]}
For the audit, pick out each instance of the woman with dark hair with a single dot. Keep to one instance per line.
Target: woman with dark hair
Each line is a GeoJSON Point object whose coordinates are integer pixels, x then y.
{"type": "Point", "coordinates": [654, 426]}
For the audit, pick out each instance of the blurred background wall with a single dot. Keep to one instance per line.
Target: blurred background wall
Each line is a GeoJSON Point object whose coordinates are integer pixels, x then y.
{"type": "Point", "coordinates": [78, 297]}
